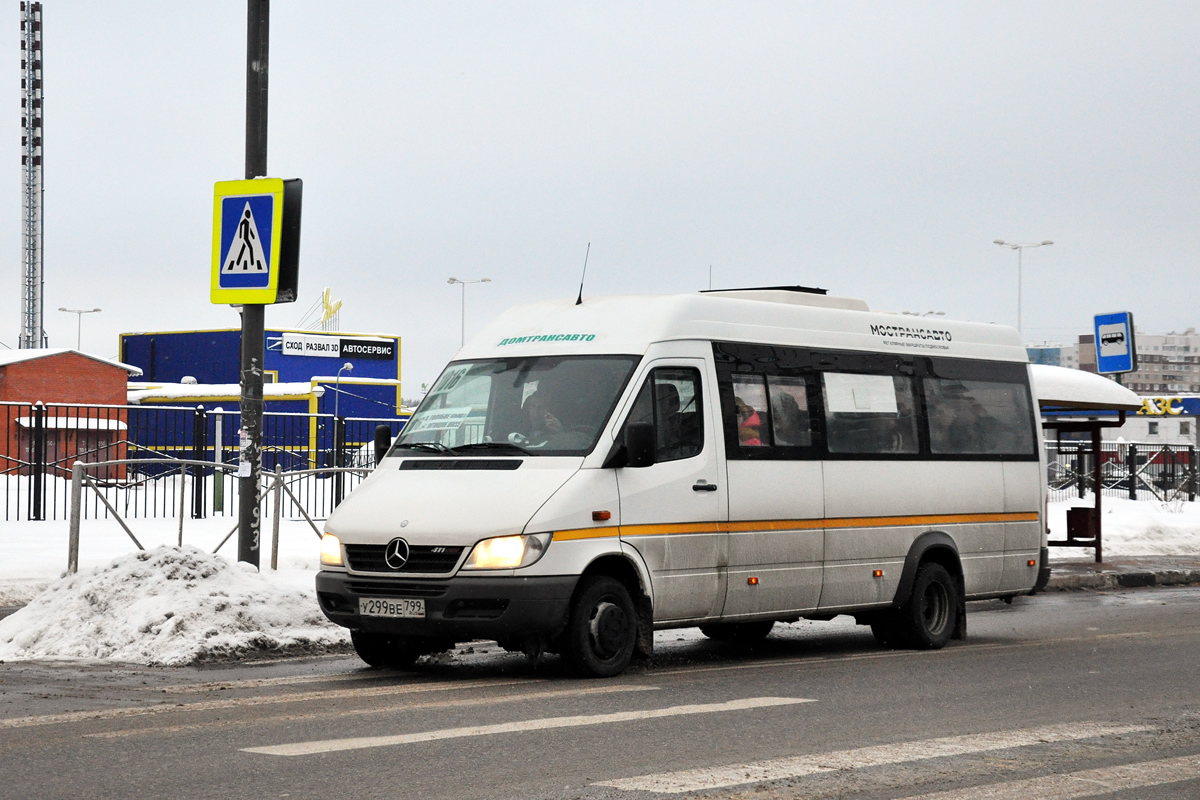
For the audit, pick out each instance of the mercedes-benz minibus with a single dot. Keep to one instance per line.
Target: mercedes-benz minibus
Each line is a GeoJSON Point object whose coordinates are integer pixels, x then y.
{"type": "Point", "coordinates": [584, 474]}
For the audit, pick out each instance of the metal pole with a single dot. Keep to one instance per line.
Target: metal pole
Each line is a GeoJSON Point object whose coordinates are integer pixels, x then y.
{"type": "Point", "coordinates": [182, 499]}
{"type": "Point", "coordinates": [339, 457]}
{"type": "Point", "coordinates": [462, 318]}
{"type": "Point", "coordinates": [1191, 479]}
{"type": "Point", "coordinates": [37, 467]}
{"type": "Point", "coordinates": [1097, 477]}
{"type": "Point", "coordinates": [76, 510]}
{"type": "Point", "coordinates": [258, 14]}
{"type": "Point", "coordinates": [199, 445]}
{"type": "Point", "coordinates": [1131, 470]}
{"type": "Point", "coordinates": [277, 490]}
{"type": "Point", "coordinates": [218, 457]}
{"type": "Point", "coordinates": [1020, 251]}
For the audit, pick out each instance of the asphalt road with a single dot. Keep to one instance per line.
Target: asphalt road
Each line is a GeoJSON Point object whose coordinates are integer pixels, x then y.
{"type": "Point", "coordinates": [1089, 694]}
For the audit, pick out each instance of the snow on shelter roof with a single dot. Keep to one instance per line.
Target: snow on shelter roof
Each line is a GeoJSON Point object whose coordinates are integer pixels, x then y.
{"type": "Point", "coordinates": [1073, 388]}
{"type": "Point", "coordinates": [16, 356]}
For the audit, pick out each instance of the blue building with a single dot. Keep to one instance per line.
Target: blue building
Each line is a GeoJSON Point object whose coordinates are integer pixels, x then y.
{"type": "Point", "coordinates": [303, 371]}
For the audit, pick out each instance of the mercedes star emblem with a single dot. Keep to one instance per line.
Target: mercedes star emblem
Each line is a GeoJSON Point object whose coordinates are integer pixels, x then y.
{"type": "Point", "coordinates": [395, 555]}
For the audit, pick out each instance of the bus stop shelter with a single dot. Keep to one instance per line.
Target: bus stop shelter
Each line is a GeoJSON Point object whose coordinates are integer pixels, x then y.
{"type": "Point", "coordinates": [1077, 401]}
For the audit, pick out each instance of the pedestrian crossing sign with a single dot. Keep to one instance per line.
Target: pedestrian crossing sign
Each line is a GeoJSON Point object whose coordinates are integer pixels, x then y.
{"type": "Point", "coordinates": [256, 238]}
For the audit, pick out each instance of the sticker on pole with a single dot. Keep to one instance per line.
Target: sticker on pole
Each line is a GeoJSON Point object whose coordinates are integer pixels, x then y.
{"type": "Point", "coordinates": [1116, 350]}
{"type": "Point", "coordinates": [255, 244]}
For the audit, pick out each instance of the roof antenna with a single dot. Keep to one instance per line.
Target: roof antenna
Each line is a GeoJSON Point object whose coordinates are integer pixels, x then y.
{"type": "Point", "coordinates": [579, 300]}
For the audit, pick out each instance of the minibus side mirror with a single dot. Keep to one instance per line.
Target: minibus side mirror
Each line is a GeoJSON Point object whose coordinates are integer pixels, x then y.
{"type": "Point", "coordinates": [639, 444]}
{"type": "Point", "coordinates": [383, 440]}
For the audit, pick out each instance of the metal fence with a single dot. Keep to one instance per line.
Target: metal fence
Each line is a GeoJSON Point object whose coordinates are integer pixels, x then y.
{"type": "Point", "coordinates": [42, 441]}
{"type": "Point", "coordinates": [1133, 470]}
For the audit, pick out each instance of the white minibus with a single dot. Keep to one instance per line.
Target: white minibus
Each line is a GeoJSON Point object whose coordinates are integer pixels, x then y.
{"type": "Point", "coordinates": [585, 473]}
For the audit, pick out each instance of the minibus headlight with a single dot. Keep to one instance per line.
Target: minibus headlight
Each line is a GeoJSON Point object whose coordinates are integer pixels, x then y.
{"type": "Point", "coordinates": [508, 552]}
{"type": "Point", "coordinates": [331, 551]}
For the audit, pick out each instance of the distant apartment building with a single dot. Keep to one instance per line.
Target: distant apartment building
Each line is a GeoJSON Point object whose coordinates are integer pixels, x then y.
{"type": "Point", "coordinates": [1056, 355]}
{"type": "Point", "coordinates": [1167, 363]}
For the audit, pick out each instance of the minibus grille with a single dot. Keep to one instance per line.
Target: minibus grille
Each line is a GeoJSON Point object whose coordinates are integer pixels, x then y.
{"type": "Point", "coordinates": [421, 558]}
{"type": "Point", "coordinates": [394, 589]}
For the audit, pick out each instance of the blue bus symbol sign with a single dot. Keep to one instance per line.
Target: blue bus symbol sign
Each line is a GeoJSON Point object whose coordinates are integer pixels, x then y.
{"type": "Point", "coordinates": [1115, 348]}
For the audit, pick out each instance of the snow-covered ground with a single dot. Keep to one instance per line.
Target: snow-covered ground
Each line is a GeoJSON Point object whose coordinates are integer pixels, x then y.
{"type": "Point", "coordinates": [1133, 528]}
{"type": "Point", "coordinates": [171, 605]}
{"type": "Point", "coordinates": [168, 605]}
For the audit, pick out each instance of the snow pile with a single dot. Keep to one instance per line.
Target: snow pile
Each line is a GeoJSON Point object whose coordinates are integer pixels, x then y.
{"type": "Point", "coordinates": [168, 606]}
{"type": "Point", "coordinates": [1133, 528]}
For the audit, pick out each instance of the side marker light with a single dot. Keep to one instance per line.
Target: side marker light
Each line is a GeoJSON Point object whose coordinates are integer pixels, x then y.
{"type": "Point", "coordinates": [1032, 563]}
{"type": "Point", "coordinates": [601, 516]}
{"type": "Point", "coordinates": [877, 573]}
{"type": "Point", "coordinates": [752, 581]}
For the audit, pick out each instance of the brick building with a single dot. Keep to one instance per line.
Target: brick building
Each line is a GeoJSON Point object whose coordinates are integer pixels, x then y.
{"type": "Point", "coordinates": [69, 385]}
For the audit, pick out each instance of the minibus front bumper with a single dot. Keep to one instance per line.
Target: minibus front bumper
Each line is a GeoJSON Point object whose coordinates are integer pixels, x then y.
{"type": "Point", "coordinates": [458, 609]}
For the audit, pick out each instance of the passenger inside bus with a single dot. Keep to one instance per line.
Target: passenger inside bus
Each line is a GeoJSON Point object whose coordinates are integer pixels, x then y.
{"type": "Point", "coordinates": [749, 424]}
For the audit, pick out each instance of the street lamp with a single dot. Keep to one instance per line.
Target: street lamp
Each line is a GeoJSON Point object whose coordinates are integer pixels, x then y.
{"type": "Point", "coordinates": [463, 317]}
{"type": "Point", "coordinates": [79, 312]}
{"type": "Point", "coordinates": [1020, 247]}
{"type": "Point", "coordinates": [337, 386]}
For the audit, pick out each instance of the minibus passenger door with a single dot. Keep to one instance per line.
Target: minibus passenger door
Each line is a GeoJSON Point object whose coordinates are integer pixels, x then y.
{"type": "Point", "coordinates": [671, 510]}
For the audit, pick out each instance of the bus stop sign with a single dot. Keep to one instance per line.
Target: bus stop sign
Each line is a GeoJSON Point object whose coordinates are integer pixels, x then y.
{"type": "Point", "coordinates": [1115, 347]}
{"type": "Point", "coordinates": [256, 241]}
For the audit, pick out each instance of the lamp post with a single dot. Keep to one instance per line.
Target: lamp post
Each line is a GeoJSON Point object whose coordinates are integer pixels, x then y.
{"type": "Point", "coordinates": [337, 386]}
{"type": "Point", "coordinates": [79, 312]}
{"type": "Point", "coordinates": [463, 317]}
{"type": "Point", "coordinates": [1020, 247]}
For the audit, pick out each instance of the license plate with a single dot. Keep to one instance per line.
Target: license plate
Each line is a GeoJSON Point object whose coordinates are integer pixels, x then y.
{"type": "Point", "coordinates": [391, 607]}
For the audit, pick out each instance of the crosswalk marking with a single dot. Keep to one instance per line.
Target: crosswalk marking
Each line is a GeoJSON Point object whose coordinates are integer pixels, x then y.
{"type": "Point", "coordinates": [1085, 783]}
{"type": "Point", "coordinates": [781, 768]}
{"type": "Point", "coordinates": [358, 743]}
{"type": "Point", "coordinates": [387, 708]}
{"type": "Point", "coordinates": [237, 702]}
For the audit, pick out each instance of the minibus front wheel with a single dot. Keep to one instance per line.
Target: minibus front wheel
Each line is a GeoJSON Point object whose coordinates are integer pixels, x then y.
{"type": "Point", "coordinates": [602, 630]}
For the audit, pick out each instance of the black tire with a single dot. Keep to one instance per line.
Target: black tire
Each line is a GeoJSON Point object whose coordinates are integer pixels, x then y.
{"type": "Point", "coordinates": [602, 630]}
{"type": "Point", "coordinates": [381, 650]}
{"type": "Point", "coordinates": [745, 632]}
{"type": "Point", "coordinates": [926, 620]}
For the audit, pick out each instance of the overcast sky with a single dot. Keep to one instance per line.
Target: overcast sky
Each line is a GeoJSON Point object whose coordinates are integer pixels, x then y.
{"type": "Point", "coordinates": [874, 149]}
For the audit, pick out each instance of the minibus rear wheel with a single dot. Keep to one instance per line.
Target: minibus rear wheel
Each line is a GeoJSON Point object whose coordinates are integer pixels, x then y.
{"type": "Point", "coordinates": [381, 650]}
{"type": "Point", "coordinates": [927, 617]}
{"type": "Point", "coordinates": [602, 630]}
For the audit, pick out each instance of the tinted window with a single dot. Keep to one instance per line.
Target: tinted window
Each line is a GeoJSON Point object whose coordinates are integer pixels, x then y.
{"type": "Point", "coordinates": [977, 417]}
{"type": "Point", "coordinates": [870, 413]}
{"type": "Point", "coordinates": [753, 410]}
{"type": "Point", "coordinates": [670, 398]}
{"type": "Point", "coordinates": [791, 423]}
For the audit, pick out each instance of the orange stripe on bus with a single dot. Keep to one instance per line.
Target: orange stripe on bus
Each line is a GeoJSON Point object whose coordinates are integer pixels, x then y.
{"type": "Point", "coordinates": [664, 529]}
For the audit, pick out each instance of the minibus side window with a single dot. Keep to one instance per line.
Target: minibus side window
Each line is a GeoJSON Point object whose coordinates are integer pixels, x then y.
{"type": "Point", "coordinates": [968, 417]}
{"type": "Point", "coordinates": [791, 423]}
{"type": "Point", "coordinates": [870, 414]}
{"type": "Point", "coordinates": [753, 410]}
{"type": "Point", "coordinates": [671, 399]}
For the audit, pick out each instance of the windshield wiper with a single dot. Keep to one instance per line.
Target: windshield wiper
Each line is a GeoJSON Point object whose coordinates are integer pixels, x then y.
{"type": "Point", "coordinates": [436, 447]}
{"type": "Point", "coordinates": [489, 446]}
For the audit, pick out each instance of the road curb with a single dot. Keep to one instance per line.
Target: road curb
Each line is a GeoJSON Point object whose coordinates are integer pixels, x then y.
{"type": "Point", "coordinates": [1122, 580]}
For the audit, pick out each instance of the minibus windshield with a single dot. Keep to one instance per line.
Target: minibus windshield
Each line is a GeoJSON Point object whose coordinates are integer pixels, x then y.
{"type": "Point", "coordinates": [539, 405]}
